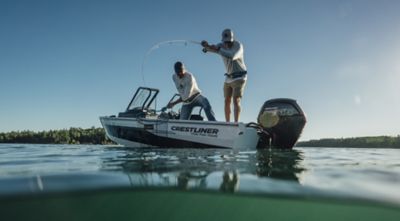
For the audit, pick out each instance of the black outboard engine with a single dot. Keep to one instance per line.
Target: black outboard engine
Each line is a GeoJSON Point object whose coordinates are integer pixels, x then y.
{"type": "Point", "coordinates": [283, 120]}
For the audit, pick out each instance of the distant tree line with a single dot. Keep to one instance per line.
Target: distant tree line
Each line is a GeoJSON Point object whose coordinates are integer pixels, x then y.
{"type": "Point", "coordinates": [97, 136]}
{"type": "Point", "coordinates": [65, 136]}
{"type": "Point", "coordinates": [379, 141]}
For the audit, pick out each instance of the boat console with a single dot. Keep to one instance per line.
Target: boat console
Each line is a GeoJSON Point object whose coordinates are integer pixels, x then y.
{"type": "Point", "coordinates": [141, 106]}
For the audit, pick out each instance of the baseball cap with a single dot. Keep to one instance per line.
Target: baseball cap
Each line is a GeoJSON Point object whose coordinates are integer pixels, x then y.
{"type": "Point", "coordinates": [179, 66]}
{"type": "Point", "coordinates": [227, 35]}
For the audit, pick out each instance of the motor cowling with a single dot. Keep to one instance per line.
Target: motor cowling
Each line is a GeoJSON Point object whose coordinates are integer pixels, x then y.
{"type": "Point", "coordinates": [283, 120]}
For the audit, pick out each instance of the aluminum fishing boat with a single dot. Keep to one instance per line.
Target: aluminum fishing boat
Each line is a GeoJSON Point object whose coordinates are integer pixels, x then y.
{"type": "Point", "coordinates": [279, 124]}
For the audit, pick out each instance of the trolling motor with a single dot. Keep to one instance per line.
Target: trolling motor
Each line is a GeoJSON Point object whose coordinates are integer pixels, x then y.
{"type": "Point", "coordinates": [282, 121]}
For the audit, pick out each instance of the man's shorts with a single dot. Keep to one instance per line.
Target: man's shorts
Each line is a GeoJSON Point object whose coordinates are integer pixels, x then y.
{"type": "Point", "coordinates": [234, 88]}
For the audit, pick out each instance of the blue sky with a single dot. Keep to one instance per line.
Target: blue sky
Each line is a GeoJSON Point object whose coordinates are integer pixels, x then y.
{"type": "Point", "coordinates": [65, 63]}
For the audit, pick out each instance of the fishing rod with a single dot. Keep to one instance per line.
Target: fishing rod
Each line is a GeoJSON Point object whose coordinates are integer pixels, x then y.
{"type": "Point", "coordinates": [158, 45]}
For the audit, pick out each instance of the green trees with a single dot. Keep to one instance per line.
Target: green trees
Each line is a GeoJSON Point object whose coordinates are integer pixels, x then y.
{"type": "Point", "coordinates": [379, 141]}
{"type": "Point", "coordinates": [65, 136]}
{"type": "Point", "coordinates": [94, 135]}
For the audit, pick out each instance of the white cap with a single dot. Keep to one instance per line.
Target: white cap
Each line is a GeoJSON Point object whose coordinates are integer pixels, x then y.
{"type": "Point", "coordinates": [227, 35]}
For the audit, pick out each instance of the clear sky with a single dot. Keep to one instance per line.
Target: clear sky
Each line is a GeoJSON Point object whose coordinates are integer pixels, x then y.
{"type": "Point", "coordinates": [64, 63]}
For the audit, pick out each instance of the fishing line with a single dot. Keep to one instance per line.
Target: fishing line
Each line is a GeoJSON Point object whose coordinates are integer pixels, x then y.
{"type": "Point", "coordinates": [158, 45]}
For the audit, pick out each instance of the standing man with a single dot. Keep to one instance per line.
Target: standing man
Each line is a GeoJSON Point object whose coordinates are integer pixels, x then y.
{"type": "Point", "coordinates": [231, 52]}
{"type": "Point", "coordinates": [190, 93]}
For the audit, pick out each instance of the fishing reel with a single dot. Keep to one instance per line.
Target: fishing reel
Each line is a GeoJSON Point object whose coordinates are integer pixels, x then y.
{"type": "Point", "coordinates": [204, 44]}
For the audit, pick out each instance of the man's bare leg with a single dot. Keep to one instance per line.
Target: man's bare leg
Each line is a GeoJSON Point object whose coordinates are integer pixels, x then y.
{"type": "Point", "coordinates": [237, 108]}
{"type": "Point", "coordinates": [228, 108]}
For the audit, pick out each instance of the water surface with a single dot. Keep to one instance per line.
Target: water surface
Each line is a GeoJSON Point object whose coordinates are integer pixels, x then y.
{"type": "Point", "coordinates": [350, 173]}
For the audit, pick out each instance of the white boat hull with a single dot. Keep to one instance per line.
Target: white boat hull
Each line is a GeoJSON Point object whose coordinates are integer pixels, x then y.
{"type": "Point", "coordinates": [160, 133]}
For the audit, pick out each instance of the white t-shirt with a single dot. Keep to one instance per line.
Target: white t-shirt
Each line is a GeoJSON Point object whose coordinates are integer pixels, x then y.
{"type": "Point", "coordinates": [233, 60]}
{"type": "Point", "coordinates": [186, 86]}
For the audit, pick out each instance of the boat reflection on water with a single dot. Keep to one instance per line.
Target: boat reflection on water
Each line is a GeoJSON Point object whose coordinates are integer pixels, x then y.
{"type": "Point", "coordinates": [205, 169]}
{"type": "Point", "coordinates": [186, 185]}
{"type": "Point", "coordinates": [280, 164]}
{"type": "Point", "coordinates": [230, 182]}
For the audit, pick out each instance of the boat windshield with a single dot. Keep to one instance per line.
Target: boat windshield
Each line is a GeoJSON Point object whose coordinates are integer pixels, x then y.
{"type": "Point", "coordinates": [143, 98]}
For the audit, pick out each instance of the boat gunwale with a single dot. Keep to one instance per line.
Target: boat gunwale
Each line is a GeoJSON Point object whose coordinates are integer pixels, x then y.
{"type": "Point", "coordinates": [220, 123]}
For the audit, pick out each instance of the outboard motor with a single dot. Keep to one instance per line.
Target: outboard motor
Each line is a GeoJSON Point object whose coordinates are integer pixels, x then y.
{"type": "Point", "coordinates": [283, 120]}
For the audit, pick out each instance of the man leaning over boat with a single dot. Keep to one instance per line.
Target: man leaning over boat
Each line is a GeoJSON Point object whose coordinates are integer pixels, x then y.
{"type": "Point", "coordinates": [190, 94]}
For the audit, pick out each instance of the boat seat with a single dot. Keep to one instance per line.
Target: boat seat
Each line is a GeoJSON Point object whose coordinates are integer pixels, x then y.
{"type": "Point", "coordinates": [196, 117]}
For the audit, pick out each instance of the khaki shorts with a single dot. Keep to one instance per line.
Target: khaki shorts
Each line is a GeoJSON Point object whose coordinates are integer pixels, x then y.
{"type": "Point", "coordinates": [235, 88]}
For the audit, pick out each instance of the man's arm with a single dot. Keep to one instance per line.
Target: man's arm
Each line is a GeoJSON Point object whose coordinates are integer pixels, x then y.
{"type": "Point", "coordinates": [235, 52]}
{"type": "Point", "coordinates": [188, 86]}
{"type": "Point", "coordinates": [209, 48]}
{"type": "Point", "coordinates": [179, 100]}
{"type": "Point", "coordinates": [173, 103]}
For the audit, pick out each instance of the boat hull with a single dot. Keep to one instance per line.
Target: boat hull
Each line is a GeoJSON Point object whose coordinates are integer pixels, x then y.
{"type": "Point", "coordinates": [166, 133]}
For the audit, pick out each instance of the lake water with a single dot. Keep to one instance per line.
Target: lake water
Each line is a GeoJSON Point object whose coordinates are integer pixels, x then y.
{"type": "Point", "coordinates": [350, 175]}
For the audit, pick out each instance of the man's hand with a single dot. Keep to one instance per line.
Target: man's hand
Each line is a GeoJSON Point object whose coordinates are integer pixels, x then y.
{"type": "Point", "coordinates": [205, 45]}
{"type": "Point", "coordinates": [214, 48]}
{"type": "Point", "coordinates": [170, 105]}
{"type": "Point", "coordinates": [208, 47]}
